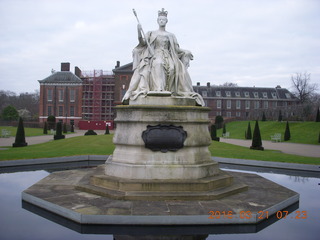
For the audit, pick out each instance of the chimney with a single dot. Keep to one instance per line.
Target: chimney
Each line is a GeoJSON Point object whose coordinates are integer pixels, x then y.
{"type": "Point", "coordinates": [278, 86]}
{"type": "Point", "coordinates": [198, 84]}
{"type": "Point", "coordinates": [208, 84]}
{"type": "Point", "coordinates": [118, 64]}
{"type": "Point", "coordinates": [65, 67]}
{"type": "Point", "coordinates": [77, 72]}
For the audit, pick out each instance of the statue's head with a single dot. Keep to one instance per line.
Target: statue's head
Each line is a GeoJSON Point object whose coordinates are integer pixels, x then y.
{"type": "Point", "coordinates": [162, 17]}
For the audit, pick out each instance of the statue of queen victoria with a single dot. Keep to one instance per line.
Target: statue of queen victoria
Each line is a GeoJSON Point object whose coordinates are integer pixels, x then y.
{"type": "Point", "coordinates": [160, 65]}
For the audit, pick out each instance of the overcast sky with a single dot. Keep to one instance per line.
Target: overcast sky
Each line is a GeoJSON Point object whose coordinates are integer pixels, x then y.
{"type": "Point", "coordinates": [249, 42]}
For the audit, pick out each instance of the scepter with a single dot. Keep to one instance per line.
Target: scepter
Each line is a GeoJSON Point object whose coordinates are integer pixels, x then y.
{"type": "Point", "coordinates": [144, 36]}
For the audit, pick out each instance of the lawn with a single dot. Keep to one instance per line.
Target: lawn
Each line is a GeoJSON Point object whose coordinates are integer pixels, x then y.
{"type": "Point", "coordinates": [29, 132]}
{"type": "Point", "coordinates": [301, 132]}
{"type": "Point", "coordinates": [102, 145]}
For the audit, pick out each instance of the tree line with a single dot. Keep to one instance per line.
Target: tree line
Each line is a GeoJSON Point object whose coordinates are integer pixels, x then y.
{"type": "Point", "coordinates": [25, 104]}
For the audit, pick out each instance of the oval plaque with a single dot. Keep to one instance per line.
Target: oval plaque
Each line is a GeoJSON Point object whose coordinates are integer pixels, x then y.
{"type": "Point", "coordinates": [164, 138]}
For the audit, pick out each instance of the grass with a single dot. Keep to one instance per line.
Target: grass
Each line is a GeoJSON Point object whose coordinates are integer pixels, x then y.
{"type": "Point", "coordinates": [301, 132]}
{"type": "Point", "coordinates": [83, 145]}
{"type": "Point", "coordinates": [220, 149]}
{"type": "Point", "coordinates": [102, 145]}
{"type": "Point", "coordinates": [29, 132]}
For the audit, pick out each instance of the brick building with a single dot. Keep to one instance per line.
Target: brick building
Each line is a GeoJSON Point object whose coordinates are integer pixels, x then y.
{"type": "Point", "coordinates": [87, 98]}
{"type": "Point", "coordinates": [61, 96]}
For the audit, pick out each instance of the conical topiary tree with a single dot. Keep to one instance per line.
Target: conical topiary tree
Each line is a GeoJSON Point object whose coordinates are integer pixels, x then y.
{"type": "Point", "coordinates": [224, 130]}
{"type": "Point", "coordinates": [287, 134]}
{"type": "Point", "coordinates": [51, 122]}
{"type": "Point", "coordinates": [318, 116]}
{"type": "Point", "coordinates": [107, 129]}
{"type": "Point", "coordinates": [280, 116]}
{"type": "Point", "coordinates": [213, 133]}
{"type": "Point", "coordinates": [319, 138]}
{"type": "Point", "coordinates": [249, 134]}
{"type": "Point", "coordinates": [59, 132]}
{"type": "Point", "coordinates": [263, 117]}
{"type": "Point", "coordinates": [45, 128]}
{"type": "Point", "coordinates": [256, 140]}
{"type": "Point", "coordinates": [20, 140]}
{"type": "Point", "coordinates": [72, 128]}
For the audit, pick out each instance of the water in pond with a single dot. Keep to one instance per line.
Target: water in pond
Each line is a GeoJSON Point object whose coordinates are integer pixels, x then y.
{"type": "Point", "coordinates": [18, 223]}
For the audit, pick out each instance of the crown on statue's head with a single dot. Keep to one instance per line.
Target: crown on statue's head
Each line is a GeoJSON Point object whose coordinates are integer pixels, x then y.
{"type": "Point", "coordinates": [162, 13]}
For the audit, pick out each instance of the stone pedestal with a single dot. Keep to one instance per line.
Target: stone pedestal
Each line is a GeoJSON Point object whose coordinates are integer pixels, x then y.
{"type": "Point", "coordinates": [161, 152]}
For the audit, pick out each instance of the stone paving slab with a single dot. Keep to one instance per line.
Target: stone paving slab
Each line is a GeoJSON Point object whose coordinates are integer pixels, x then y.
{"type": "Point", "coordinates": [57, 193]}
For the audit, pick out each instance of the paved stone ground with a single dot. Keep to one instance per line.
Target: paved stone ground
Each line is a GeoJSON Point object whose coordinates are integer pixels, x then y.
{"type": "Point", "coordinates": [307, 150]}
{"type": "Point", "coordinates": [57, 193]}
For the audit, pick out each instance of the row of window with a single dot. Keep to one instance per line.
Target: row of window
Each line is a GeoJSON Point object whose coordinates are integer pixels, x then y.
{"type": "Point", "coordinates": [72, 95]}
{"type": "Point", "coordinates": [248, 104]}
{"type": "Point", "coordinates": [246, 94]}
{"type": "Point", "coordinates": [61, 112]}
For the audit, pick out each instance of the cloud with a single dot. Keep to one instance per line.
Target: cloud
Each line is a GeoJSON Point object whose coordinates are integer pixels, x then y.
{"type": "Point", "coordinates": [248, 42]}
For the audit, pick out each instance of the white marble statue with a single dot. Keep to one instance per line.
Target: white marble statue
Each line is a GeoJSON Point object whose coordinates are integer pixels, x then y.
{"type": "Point", "coordinates": [160, 65]}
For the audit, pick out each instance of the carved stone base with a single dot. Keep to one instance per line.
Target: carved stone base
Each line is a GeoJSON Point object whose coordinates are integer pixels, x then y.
{"type": "Point", "coordinates": [209, 188]}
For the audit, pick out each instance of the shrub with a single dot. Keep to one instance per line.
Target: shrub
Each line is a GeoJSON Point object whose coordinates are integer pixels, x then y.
{"type": "Point", "coordinates": [59, 132]}
{"type": "Point", "coordinates": [319, 138]}
{"type": "Point", "coordinates": [51, 122]}
{"type": "Point", "coordinates": [90, 132]}
{"type": "Point", "coordinates": [287, 134]}
{"type": "Point", "coordinates": [45, 128]}
{"type": "Point", "coordinates": [20, 140]}
{"type": "Point", "coordinates": [213, 133]}
{"type": "Point", "coordinates": [107, 129]}
{"type": "Point", "coordinates": [280, 116]}
{"type": "Point", "coordinates": [10, 113]}
{"type": "Point", "coordinates": [318, 116]}
{"type": "Point", "coordinates": [249, 134]}
{"type": "Point", "coordinates": [263, 117]}
{"type": "Point", "coordinates": [218, 121]}
{"type": "Point", "coordinates": [72, 128]}
{"type": "Point", "coordinates": [224, 130]}
{"type": "Point", "coordinates": [256, 140]}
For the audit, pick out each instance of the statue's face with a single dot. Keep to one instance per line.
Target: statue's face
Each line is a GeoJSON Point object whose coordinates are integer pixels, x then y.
{"type": "Point", "coordinates": [162, 21]}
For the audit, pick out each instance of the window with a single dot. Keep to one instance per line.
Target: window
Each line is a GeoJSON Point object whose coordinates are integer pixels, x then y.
{"type": "Point", "coordinates": [237, 94]}
{"type": "Point", "coordinates": [218, 114]}
{"type": "Point", "coordinates": [274, 104]}
{"type": "Point", "coordinates": [265, 104]}
{"type": "Point", "coordinates": [228, 93]}
{"type": "Point", "coordinates": [229, 114]}
{"type": "Point", "coordinates": [288, 95]}
{"type": "Point", "coordinates": [60, 95]}
{"type": "Point", "coordinates": [238, 104]}
{"type": "Point", "coordinates": [218, 93]}
{"type": "Point", "coordinates": [49, 95]}
{"type": "Point", "coordinates": [72, 95]}
{"type": "Point", "coordinates": [204, 93]}
{"type": "Point", "coordinates": [72, 111]}
{"type": "Point", "coordinates": [49, 110]}
{"type": "Point", "coordinates": [60, 111]}
{"type": "Point", "coordinates": [247, 104]}
{"type": "Point", "coordinates": [246, 94]}
{"type": "Point", "coordinates": [238, 114]}
{"type": "Point", "coordinates": [256, 104]}
{"type": "Point", "coordinates": [274, 95]}
{"type": "Point", "coordinates": [255, 94]}
{"type": "Point", "coordinates": [218, 103]}
{"type": "Point", "coordinates": [228, 104]}
{"type": "Point", "coordinates": [265, 95]}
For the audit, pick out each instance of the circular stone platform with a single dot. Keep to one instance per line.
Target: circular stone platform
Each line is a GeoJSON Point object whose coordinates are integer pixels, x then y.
{"type": "Point", "coordinates": [58, 193]}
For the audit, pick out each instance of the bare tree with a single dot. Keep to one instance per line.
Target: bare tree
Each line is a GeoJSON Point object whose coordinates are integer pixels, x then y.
{"type": "Point", "coordinates": [229, 84]}
{"type": "Point", "coordinates": [303, 88]}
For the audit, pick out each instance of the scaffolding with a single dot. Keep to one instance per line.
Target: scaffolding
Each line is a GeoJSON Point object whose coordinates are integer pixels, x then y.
{"type": "Point", "coordinates": [96, 84]}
